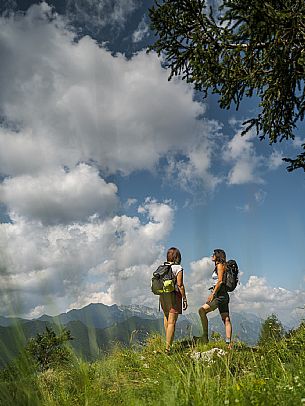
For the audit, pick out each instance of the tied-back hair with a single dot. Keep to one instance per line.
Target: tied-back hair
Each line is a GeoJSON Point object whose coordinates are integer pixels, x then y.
{"type": "Point", "coordinates": [220, 256]}
{"type": "Point", "coordinates": [173, 255]}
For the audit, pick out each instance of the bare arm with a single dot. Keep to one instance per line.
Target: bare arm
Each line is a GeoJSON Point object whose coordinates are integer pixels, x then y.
{"type": "Point", "coordinates": [182, 289]}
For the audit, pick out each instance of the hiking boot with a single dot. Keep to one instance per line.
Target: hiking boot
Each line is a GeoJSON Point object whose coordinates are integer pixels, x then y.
{"type": "Point", "coordinates": [202, 339]}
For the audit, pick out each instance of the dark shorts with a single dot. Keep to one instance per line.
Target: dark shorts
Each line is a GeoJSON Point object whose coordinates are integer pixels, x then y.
{"type": "Point", "coordinates": [220, 302]}
{"type": "Point", "coordinates": [171, 302]}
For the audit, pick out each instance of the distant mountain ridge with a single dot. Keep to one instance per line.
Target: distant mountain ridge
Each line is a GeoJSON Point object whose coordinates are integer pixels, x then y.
{"type": "Point", "coordinates": [102, 316]}
{"type": "Point", "coordinates": [97, 327]}
{"type": "Point", "coordinates": [8, 321]}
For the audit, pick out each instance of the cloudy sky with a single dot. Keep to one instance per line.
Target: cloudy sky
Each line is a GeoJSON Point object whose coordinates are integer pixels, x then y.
{"type": "Point", "coordinates": [104, 164]}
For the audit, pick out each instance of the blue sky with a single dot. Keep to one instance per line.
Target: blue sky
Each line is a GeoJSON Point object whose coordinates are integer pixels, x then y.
{"type": "Point", "coordinates": [105, 164]}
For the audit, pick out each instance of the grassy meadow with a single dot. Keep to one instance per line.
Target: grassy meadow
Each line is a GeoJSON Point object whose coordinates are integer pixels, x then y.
{"type": "Point", "coordinates": [272, 374]}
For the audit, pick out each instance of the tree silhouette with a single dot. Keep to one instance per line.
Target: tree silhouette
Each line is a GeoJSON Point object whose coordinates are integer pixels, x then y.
{"type": "Point", "coordinates": [245, 48]}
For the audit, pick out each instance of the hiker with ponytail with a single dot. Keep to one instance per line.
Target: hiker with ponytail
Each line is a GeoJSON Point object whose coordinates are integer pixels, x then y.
{"type": "Point", "coordinates": [218, 298]}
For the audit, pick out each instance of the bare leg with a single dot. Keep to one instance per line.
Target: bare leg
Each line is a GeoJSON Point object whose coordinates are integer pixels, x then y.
{"type": "Point", "coordinates": [228, 326]}
{"type": "Point", "coordinates": [165, 322]}
{"type": "Point", "coordinates": [204, 320]}
{"type": "Point", "coordinates": [170, 330]}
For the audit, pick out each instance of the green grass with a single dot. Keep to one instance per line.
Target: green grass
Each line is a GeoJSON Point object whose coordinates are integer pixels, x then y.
{"type": "Point", "coordinates": [269, 375]}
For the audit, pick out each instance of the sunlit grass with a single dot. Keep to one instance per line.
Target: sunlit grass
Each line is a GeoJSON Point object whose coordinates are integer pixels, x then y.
{"type": "Point", "coordinates": [269, 375]}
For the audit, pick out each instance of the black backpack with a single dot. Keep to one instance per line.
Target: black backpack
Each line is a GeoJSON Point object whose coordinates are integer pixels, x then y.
{"type": "Point", "coordinates": [231, 275]}
{"type": "Point", "coordinates": [163, 280]}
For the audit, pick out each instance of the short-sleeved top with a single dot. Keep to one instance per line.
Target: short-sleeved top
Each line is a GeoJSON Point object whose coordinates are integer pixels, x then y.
{"type": "Point", "coordinates": [222, 288]}
{"type": "Point", "coordinates": [176, 269]}
{"type": "Point", "coordinates": [214, 277]}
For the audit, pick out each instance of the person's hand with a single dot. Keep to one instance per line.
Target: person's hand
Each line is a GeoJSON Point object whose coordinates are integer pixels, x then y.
{"type": "Point", "coordinates": [210, 297]}
{"type": "Point", "coordinates": [184, 303]}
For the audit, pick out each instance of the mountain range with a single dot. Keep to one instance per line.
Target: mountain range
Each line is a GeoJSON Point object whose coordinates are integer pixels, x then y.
{"type": "Point", "coordinates": [97, 327]}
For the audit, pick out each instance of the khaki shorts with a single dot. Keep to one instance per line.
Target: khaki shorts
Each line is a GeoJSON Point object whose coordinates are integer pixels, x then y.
{"type": "Point", "coordinates": [171, 302]}
{"type": "Point", "coordinates": [221, 303]}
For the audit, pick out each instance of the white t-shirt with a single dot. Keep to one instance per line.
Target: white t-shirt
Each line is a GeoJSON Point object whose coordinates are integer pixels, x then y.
{"type": "Point", "coordinates": [176, 269]}
{"type": "Point", "coordinates": [214, 277]}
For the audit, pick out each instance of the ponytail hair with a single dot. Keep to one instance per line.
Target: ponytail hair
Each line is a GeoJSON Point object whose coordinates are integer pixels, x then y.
{"type": "Point", "coordinates": [220, 256]}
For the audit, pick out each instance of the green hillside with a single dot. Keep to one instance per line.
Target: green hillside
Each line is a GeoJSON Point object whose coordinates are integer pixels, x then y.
{"type": "Point", "coordinates": [88, 342]}
{"type": "Point", "coordinates": [15, 336]}
{"type": "Point", "coordinates": [91, 342]}
{"type": "Point", "coordinates": [271, 375]}
{"type": "Point", "coordinates": [96, 328]}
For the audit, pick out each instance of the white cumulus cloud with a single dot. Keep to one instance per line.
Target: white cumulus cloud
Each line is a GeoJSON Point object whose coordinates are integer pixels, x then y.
{"type": "Point", "coordinates": [60, 196]}
{"type": "Point", "coordinates": [73, 101]}
{"type": "Point", "coordinates": [257, 296]}
{"type": "Point", "coordinates": [246, 164]}
{"type": "Point", "coordinates": [58, 266]}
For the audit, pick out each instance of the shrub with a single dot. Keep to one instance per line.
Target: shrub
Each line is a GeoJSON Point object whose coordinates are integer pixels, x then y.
{"type": "Point", "coordinates": [49, 350]}
{"type": "Point", "coordinates": [271, 330]}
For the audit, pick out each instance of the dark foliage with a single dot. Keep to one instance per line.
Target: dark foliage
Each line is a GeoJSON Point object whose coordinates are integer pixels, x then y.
{"type": "Point", "coordinates": [245, 48]}
{"type": "Point", "coordinates": [271, 330]}
{"type": "Point", "coordinates": [49, 350]}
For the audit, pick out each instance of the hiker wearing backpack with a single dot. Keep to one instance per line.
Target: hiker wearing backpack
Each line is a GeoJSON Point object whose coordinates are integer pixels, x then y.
{"type": "Point", "coordinates": [167, 282]}
{"type": "Point", "coordinates": [223, 281]}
